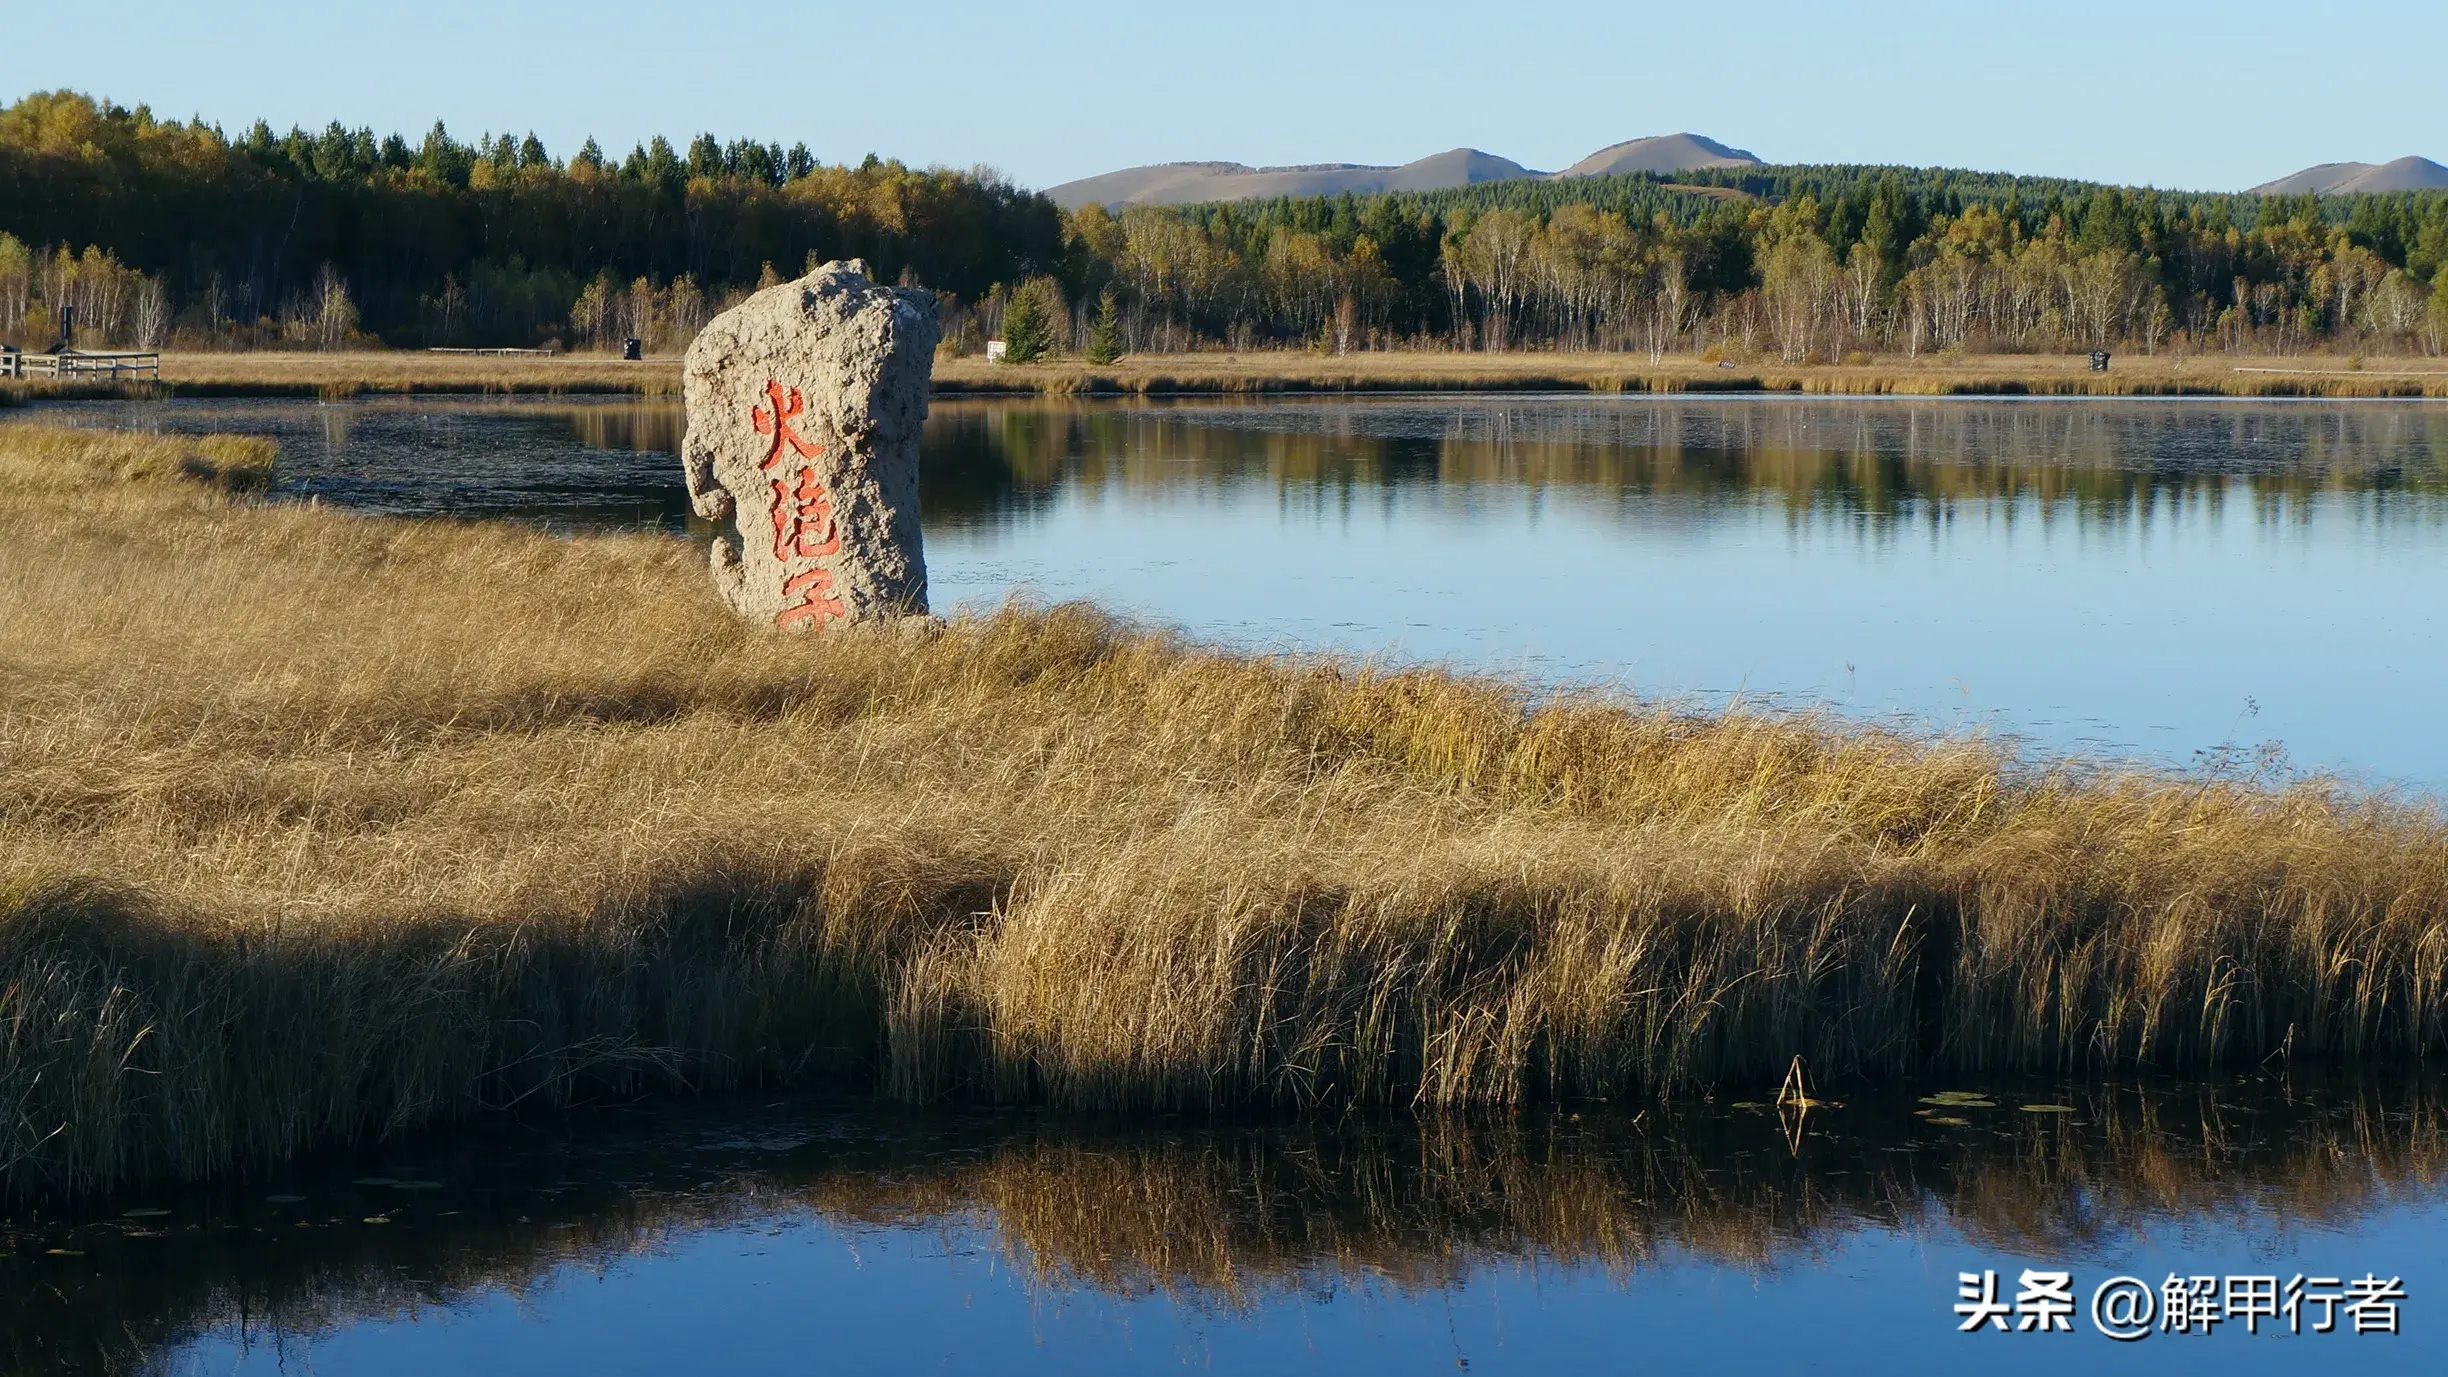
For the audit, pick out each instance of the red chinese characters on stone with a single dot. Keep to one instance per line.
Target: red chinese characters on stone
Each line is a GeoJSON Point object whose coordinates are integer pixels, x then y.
{"type": "Point", "coordinates": [804, 525]}
{"type": "Point", "coordinates": [775, 419]}
{"type": "Point", "coordinates": [817, 603]}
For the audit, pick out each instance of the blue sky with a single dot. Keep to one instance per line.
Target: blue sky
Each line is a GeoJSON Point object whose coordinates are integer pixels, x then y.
{"type": "Point", "coordinates": [2198, 95]}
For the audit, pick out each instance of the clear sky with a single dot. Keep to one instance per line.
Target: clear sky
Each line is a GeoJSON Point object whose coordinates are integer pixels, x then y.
{"type": "Point", "coordinates": [2195, 95]}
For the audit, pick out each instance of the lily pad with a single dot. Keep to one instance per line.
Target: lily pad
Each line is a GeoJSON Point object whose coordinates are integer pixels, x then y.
{"type": "Point", "coordinates": [64, 1252]}
{"type": "Point", "coordinates": [284, 1199]}
{"type": "Point", "coordinates": [2048, 1109]}
{"type": "Point", "coordinates": [377, 1181]}
{"type": "Point", "coordinates": [416, 1185]}
{"type": "Point", "coordinates": [143, 1214]}
{"type": "Point", "coordinates": [1960, 1099]}
{"type": "Point", "coordinates": [1746, 1104]}
{"type": "Point", "coordinates": [1950, 1121]}
{"type": "Point", "coordinates": [377, 1219]}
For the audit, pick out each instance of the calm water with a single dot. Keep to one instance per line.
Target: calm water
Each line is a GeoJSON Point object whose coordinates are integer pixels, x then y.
{"type": "Point", "coordinates": [755, 1237]}
{"type": "Point", "coordinates": [2173, 581]}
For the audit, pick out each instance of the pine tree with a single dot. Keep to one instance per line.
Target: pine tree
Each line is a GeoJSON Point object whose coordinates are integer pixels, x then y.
{"type": "Point", "coordinates": [1025, 333]}
{"type": "Point", "coordinates": [1105, 333]}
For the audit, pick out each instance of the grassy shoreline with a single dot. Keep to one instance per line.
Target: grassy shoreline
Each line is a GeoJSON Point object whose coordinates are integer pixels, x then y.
{"type": "Point", "coordinates": [1992, 375]}
{"type": "Point", "coordinates": [410, 373]}
{"type": "Point", "coordinates": [317, 826]}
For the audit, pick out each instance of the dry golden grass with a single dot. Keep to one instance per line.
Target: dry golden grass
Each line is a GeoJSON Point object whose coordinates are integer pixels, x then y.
{"type": "Point", "coordinates": [315, 825]}
{"type": "Point", "coordinates": [275, 373]}
{"type": "Point", "coordinates": [2131, 375]}
{"type": "Point", "coordinates": [353, 373]}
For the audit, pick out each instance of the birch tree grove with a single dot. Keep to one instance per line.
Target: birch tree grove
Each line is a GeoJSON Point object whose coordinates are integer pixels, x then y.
{"type": "Point", "coordinates": [1797, 281]}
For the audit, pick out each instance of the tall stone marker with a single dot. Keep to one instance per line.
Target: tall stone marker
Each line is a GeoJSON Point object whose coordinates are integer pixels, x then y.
{"type": "Point", "coordinates": [804, 407]}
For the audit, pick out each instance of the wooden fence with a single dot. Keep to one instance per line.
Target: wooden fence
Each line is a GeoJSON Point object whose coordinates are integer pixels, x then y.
{"type": "Point", "coordinates": [77, 363]}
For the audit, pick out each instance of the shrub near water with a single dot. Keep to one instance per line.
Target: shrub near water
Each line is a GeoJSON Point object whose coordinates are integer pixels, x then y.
{"type": "Point", "coordinates": [315, 825]}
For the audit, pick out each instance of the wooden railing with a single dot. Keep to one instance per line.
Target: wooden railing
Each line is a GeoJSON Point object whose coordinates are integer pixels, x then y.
{"type": "Point", "coordinates": [78, 363]}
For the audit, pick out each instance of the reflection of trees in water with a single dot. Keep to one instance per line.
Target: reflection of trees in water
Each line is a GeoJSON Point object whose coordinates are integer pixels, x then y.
{"type": "Point", "coordinates": [2109, 463]}
{"type": "Point", "coordinates": [1231, 1215]}
{"type": "Point", "coordinates": [2106, 462]}
{"type": "Point", "coordinates": [638, 427]}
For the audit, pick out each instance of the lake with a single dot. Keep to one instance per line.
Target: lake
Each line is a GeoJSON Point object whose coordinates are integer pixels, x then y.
{"type": "Point", "coordinates": [2241, 586]}
{"type": "Point", "coordinates": [2237, 584]}
{"type": "Point", "coordinates": [760, 1236]}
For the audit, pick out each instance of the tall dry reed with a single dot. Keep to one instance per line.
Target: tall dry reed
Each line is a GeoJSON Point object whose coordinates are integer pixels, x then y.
{"type": "Point", "coordinates": [315, 826]}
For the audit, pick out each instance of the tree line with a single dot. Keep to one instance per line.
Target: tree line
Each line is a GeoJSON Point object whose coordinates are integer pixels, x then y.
{"type": "Point", "coordinates": [1809, 265]}
{"type": "Point", "coordinates": [264, 238]}
{"type": "Point", "coordinates": [173, 232]}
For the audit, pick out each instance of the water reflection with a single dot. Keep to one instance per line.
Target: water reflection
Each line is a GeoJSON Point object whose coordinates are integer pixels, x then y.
{"type": "Point", "coordinates": [2102, 459]}
{"type": "Point", "coordinates": [2105, 461]}
{"type": "Point", "coordinates": [1230, 1219]}
{"type": "Point", "coordinates": [635, 427]}
{"type": "Point", "coordinates": [566, 464]}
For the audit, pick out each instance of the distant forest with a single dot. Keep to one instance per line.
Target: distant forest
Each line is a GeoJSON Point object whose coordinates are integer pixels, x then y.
{"type": "Point", "coordinates": [162, 230]}
{"type": "Point", "coordinates": [173, 233]}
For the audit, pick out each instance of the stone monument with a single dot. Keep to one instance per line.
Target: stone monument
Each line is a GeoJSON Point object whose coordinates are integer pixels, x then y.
{"type": "Point", "coordinates": [804, 407]}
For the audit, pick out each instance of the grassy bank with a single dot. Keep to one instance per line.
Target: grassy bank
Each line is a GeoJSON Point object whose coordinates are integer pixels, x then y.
{"type": "Point", "coordinates": [411, 372]}
{"type": "Point", "coordinates": [315, 825]}
{"type": "Point", "coordinates": [2036, 375]}
{"type": "Point", "coordinates": [401, 372]}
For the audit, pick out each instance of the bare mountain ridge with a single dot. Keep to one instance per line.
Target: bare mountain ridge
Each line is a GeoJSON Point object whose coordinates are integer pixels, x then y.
{"type": "Point", "coordinates": [1665, 153]}
{"type": "Point", "coordinates": [1167, 184]}
{"type": "Point", "coordinates": [2346, 179]}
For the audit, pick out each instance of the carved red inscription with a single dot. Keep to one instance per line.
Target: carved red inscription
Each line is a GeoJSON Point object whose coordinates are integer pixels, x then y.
{"type": "Point", "coordinates": [774, 420]}
{"type": "Point", "coordinates": [803, 522]}
{"type": "Point", "coordinates": [804, 526]}
{"type": "Point", "coordinates": [818, 605]}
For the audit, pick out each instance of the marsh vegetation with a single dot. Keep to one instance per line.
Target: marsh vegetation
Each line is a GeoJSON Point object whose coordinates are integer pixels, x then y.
{"type": "Point", "coordinates": [316, 826]}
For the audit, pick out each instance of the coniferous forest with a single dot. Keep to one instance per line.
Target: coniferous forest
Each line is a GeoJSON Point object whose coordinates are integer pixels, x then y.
{"type": "Point", "coordinates": [169, 233]}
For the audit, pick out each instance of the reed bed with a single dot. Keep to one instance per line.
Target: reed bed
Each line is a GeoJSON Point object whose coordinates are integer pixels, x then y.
{"type": "Point", "coordinates": [268, 373]}
{"type": "Point", "coordinates": [280, 373]}
{"type": "Point", "coordinates": [317, 826]}
{"type": "Point", "coordinates": [1273, 371]}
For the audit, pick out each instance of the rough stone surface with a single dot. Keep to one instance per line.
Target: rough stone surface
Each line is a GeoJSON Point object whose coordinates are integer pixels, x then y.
{"type": "Point", "coordinates": [804, 408]}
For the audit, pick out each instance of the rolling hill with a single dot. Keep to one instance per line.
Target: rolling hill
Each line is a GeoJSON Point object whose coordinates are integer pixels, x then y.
{"type": "Point", "coordinates": [1665, 153]}
{"type": "Point", "coordinates": [2347, 179]}
{"type": "Point", "coordinates": [1167, 184]}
